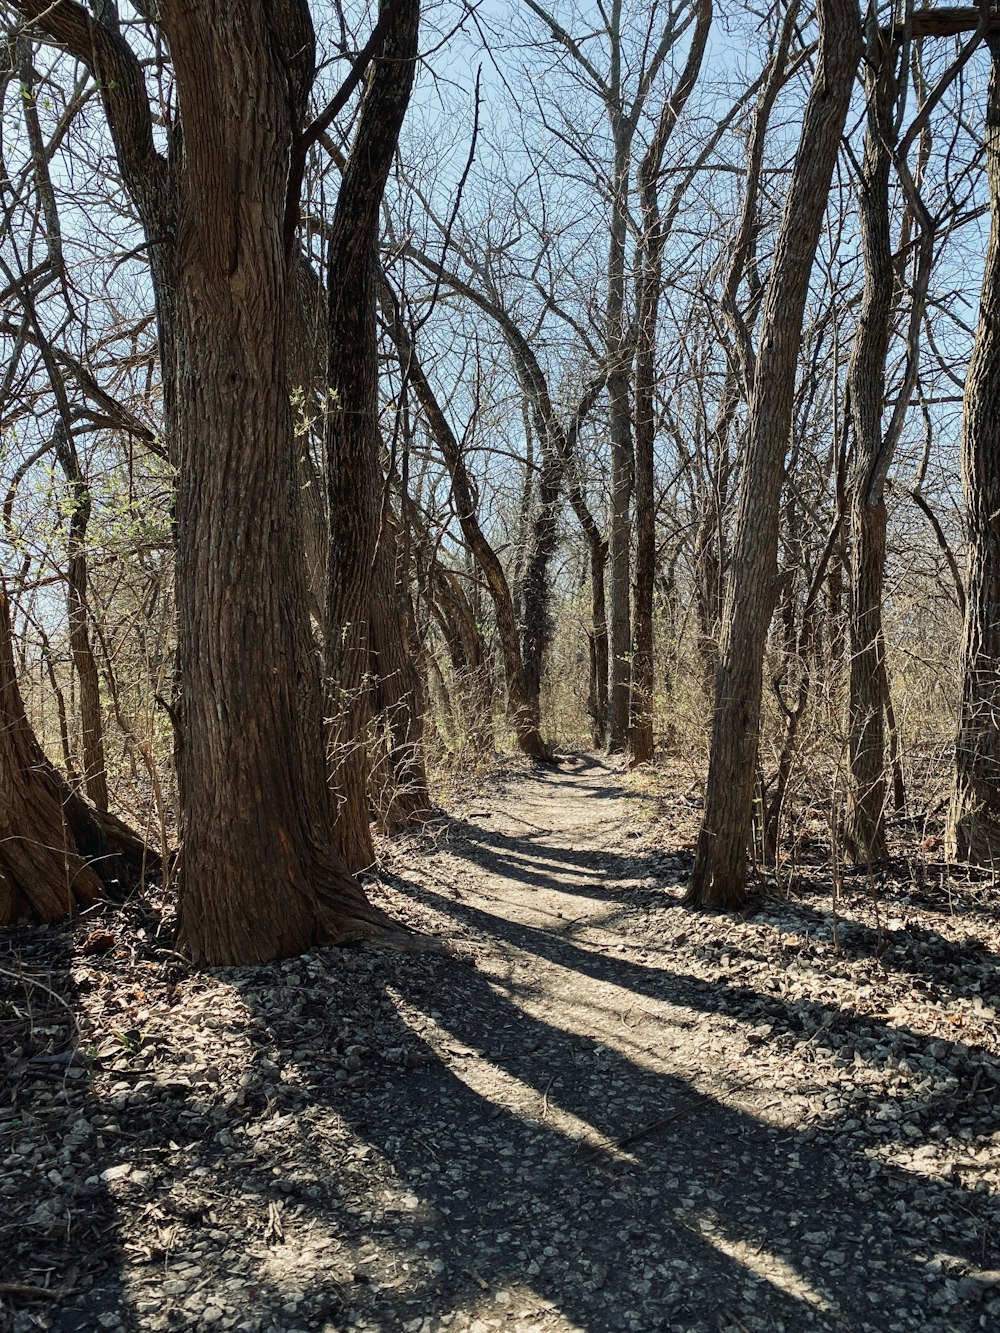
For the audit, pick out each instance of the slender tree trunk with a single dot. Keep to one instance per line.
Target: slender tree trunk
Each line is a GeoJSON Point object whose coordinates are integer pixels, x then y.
{"type": "Point", "coordinates": [622, 455]}
{"type": "Point", "coordinates": [400, 791]}
{"type": "Point", "coordinates": [95, 778]}
{"type": "Point", "coordinates": [535, 587]}
{"type": "Point", "coordinates": [597, 693]}
{"type": "Point", "coordinates": [650, 279]}
{"type": "Point", "coordinates": [355, 481]}
{"type": "Point", "coordinates": [649, 263]}
{"type": "Point", "coordinates": [718, 878]}
{"type": "Point", "coordinates": [974, 818]}
{"type": "Point", "coordinates": [864, 825]}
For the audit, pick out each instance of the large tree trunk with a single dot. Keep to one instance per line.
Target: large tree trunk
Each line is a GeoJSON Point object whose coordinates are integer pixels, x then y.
{"type": "Point", "coordinates": [355, 481]}
{"type": "Point", "coordinates": [57, 854]}
{"type": "Point", "coordinates": [718, 878]}
{"type": "Point", "coordinates": [974, 820]}
{"type": "Point", "coordinates": [258, 877]}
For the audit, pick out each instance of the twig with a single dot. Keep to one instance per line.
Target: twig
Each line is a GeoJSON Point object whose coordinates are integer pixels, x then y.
{"type": "Point", "coordinates": [26, 1289]}
{"type": "Point", "coordinates": [636, 1134]}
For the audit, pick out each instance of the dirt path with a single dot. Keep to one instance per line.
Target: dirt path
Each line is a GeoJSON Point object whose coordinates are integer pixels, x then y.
{"type": "Point", "coordinates": [620, 1116]}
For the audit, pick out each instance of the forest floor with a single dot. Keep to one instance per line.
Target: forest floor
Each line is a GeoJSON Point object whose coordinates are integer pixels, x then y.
{"type": "Point", "coordinates": [605, 1112]}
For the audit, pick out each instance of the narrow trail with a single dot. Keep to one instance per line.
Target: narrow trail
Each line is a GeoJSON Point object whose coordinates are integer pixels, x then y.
{"type": "Point", "coordinates": [614, 1153]}
{"type": "Point", "coordinates": [611, 1113]}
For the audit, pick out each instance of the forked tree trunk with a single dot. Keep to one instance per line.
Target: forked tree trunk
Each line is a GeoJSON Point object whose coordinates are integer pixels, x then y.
{"type": "Point", "coordinates": [718, 878]}
{"type": "Point", "coordinates": [974, 818]}
{"type": "Point", "coordinates": [57, 854]}
{"type": "Point", "coordinates": [259, 878]}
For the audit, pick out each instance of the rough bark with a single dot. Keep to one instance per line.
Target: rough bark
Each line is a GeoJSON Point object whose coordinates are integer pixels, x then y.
{"type": "Point", "coordinates": [619, 352]}
{"type": "Point", "coordinates": [974, 817]}
{"type": "Point", "coordinates": [258, 877]}
{"type": "Point", "coordinates": [718, 878]}
{"type": "Point", "coordinates": [535, 587]}
{"type": "Point", "coordinates": [354, 473]}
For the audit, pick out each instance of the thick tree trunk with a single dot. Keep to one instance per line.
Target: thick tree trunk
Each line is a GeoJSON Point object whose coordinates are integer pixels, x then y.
{"type": "Point", "coordinates": [258, 877]}
{"type": "Point", "coordinates": [974, 819]}
{"type": "Point", "coordinates": [57, 854]}
{"type": "Point", "coordinates": [718, 878]}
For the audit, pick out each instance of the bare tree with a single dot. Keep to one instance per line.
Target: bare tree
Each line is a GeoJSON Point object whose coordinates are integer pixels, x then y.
{"type": "Point", "coordinates": [974, 818]}
{"type": "Point", "coordinates": [718, 878]}
{"type": "Point", "coordinates": [259, 876]}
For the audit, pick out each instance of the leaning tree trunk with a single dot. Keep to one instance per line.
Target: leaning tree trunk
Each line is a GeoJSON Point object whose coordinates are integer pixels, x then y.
{"type": "Point", "coordinates": [57, 854]}
{"type": "Point", "coordinates": [718, 878]}
{"type": "Point", "coordinates": [974, 819]}
{"type": "Point", "coordinates": [355, 481]}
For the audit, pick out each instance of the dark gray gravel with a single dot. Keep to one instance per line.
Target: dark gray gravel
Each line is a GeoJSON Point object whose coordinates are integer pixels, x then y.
{"type": "Point", "coordinates": [605, 1113]}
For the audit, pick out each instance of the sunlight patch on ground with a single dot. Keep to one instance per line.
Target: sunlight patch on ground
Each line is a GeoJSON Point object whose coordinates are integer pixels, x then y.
{"type": "Point", "coordinates": [771, 1267]}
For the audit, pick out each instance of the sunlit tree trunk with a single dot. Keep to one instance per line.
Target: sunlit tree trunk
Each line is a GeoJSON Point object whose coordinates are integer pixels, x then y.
{"type": "Point", "coordinates": [718, 878]}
